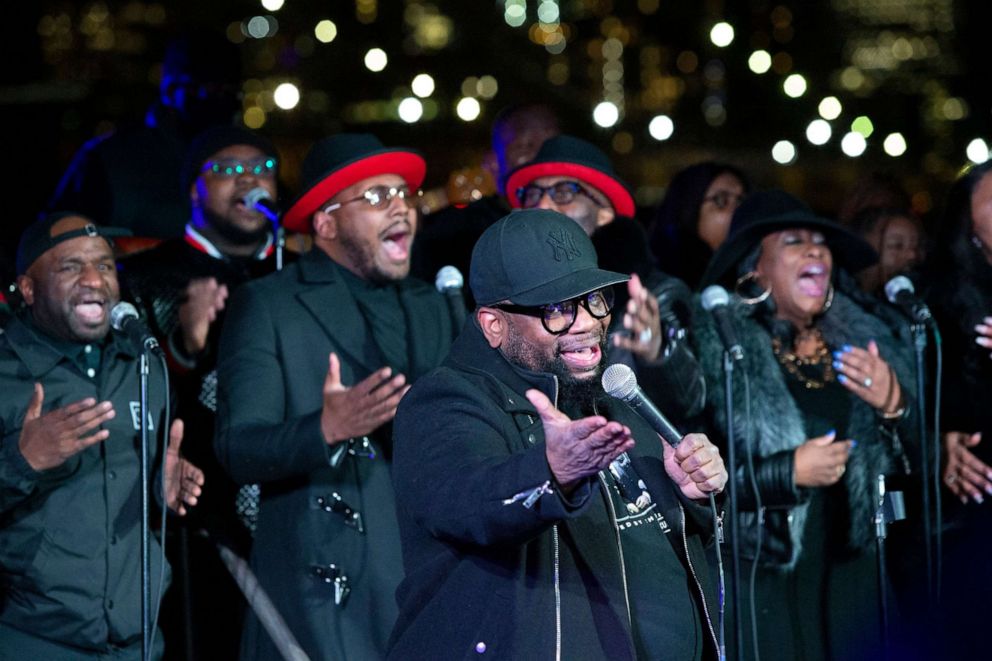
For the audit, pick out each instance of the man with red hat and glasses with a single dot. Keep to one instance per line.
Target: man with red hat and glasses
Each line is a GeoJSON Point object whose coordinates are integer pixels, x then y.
{"type": "Point", "coordinates": [70, 507]}
{"type": "Point", "coordinates": [313, 362]}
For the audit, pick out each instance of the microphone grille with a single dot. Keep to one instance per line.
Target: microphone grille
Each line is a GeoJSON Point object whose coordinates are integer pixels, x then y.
{"type": "Point", "coordinates": [713, 297]}
{"type": "Point", "coordinates": [897, 285]}
{"type": "Point", "coordinates": [619, 381]}
{"type": "Point", "coordinates": [448, 278]}
{"type": "Point", "coordinates": [121, 313]}
{"type": "Point", "coordinates": [256, 195]}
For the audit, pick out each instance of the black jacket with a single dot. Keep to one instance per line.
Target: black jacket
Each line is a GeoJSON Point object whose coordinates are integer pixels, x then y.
{"type": "Point", "coordinates": [307, 549]}
{"type": "Point", "coordinates": [70, 536]}
{"type": "Point", "coordinates": [486, 535]}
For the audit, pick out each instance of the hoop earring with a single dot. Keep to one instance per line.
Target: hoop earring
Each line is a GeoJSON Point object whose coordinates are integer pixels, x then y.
{"type": "Point", "coordinates": [750, 275]}
{"type": "Point", "coordinates": [829, 300]}
{"type": "Point", "coordinates": [975, 241]}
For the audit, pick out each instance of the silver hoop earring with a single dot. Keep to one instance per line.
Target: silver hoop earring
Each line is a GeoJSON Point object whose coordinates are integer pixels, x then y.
{"type": "Point", "coordinates": [744, 279]}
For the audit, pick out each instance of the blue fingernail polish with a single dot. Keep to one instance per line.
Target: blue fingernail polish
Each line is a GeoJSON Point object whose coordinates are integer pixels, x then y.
{"type": "Point", "coordinates": [837, 354]}
{"type": "Point", "coordinates": [846, 348]}
{"type": "Point", "coordinates": [841, 378]}
{"type": "Point", "coordinates": [854, 444]}
{"type": "Point", "coordinates": [838, 365]}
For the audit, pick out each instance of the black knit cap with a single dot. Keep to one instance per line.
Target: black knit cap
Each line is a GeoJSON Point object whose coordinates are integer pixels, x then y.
{"type": "Point", "coordinates": [37, 238]}
{"type": "Point", "coordinates": [765, 212]}
{"type": "Point", "coordinates": [536, 257]}
{"type": "Point", "coordinates": [211, 141]}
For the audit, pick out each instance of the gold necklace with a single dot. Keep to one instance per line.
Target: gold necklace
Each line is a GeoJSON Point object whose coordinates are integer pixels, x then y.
{"type": "Point", "coordinates": [794, 363]}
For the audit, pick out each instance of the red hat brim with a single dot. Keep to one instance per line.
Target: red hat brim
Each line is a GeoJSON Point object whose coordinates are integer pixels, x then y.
{"type": "Point", "coordinates": [407, 164]}
{"type": "Point", "coordinates": [615, 192]}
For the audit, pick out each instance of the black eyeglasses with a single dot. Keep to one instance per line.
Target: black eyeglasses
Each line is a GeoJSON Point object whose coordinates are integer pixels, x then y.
{"type": "Point", "coordinates": [557, 318]}
{"type": "Point", "coordinates": [723, 200]}
{"type": "Point", "coordinates": [378, 197]}
{"type": "Point", "coordinates": [561, 193]}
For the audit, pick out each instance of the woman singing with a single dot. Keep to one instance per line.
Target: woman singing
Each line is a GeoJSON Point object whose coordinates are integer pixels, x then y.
{"type": "Point", "coordinates": [827, 414]}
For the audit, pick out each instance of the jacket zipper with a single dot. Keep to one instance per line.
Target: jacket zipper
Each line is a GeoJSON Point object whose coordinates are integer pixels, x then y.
{"type": "Point", "coordinates": [692, 570]}
{"type": "Point", "coordinates": [623, 564]}
{"type": "Point", "coordinates": [554, 543]}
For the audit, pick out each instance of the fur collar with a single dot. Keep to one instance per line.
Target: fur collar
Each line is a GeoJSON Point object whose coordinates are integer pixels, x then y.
{"type": "Point", "coordinates": [776, 424]}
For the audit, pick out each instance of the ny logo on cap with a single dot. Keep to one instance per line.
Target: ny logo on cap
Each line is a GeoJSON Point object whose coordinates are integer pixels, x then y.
{"type": "Point", "coordinates": [563, 245]}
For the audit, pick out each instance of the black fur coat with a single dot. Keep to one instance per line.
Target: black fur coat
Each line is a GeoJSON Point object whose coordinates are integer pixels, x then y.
{"type": "Point", "coordinates": [776, 427]}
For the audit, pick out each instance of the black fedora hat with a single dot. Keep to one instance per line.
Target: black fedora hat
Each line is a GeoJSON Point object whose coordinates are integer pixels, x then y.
{"type": "Point", "coordinates": [765, 212]}
{"type": "Point", "coordinates": [536, 257]}
{"type": "Point", "coordinates": [566, 156]}
{"type": "Point", "coordinates": [343, 160]}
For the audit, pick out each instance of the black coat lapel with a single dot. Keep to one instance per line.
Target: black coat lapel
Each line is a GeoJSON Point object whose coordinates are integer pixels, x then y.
{"type": "Point", "coordinates": [327, 298]}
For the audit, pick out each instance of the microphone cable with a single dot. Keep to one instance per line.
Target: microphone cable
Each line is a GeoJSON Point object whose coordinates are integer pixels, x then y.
{"type": "Point", "coordinates": [938, 516]}
{"type": "Point", "coordinates": [759, 514]}
{"type": "Point", "coordinates": [165, 505]}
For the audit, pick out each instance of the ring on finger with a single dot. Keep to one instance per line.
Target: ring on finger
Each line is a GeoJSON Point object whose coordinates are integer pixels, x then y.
{"type": "Point", "coordinates": [951, 478]}
{"type": "Point", "coordinates": [645, 336]}
{"type": "Point", "coordinates": [867, 382]}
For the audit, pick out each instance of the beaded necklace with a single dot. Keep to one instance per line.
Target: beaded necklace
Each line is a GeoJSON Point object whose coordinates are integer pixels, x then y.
{"type": "Point", "coordinates": [798, 366]}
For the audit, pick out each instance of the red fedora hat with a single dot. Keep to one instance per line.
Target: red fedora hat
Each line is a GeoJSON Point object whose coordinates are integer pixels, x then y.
{"type": "Point", "coordinates": [342, 160]}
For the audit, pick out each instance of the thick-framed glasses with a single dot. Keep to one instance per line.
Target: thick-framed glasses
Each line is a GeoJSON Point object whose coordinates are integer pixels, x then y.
{"type": "Point", "coordinates": [377, 197]}
{"type": "Point", "coordinates": [561, 193]}
{"type": "Point", "coordinates": [232, 167]}
{"type": "Point", "coordinates": [558, 318]}
{"type": "Point", "coordinates": [724, 200]}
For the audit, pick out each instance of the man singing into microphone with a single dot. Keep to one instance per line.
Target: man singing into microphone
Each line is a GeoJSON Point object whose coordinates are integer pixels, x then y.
{"type": "Point", "coordinates": [180, 288]}
{"type": "Point", "coordinates": [541, 518]}
{"type": "Point", "coordinates": [70, 506]}
{"type": "Point", "coordinates": [313, 362]}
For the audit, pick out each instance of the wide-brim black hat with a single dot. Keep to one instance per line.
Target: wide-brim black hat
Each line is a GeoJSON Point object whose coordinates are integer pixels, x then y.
{"type": "Point", "coordinates": [765, 212]}
{"type": "Point", "coordinates": [342, 160]}
{"type": "Point", "coordinates": [565, 156]}
{"type": "Point", "coordinates": [536, 257]}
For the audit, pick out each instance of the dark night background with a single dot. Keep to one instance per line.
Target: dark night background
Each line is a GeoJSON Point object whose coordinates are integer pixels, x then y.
{"type": "Point", "coordinates": [70, 71]}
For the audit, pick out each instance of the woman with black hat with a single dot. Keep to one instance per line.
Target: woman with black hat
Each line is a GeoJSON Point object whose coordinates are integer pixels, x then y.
{"type": "Point", "coordinates": [826, 383]}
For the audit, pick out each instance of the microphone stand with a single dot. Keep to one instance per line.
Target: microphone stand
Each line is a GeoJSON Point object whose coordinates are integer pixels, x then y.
{"type": "Point", "coordinates": [919, 331]}
{"type": "Point", "coordinates": [735, 568]}
{"type": "Point", "coordinates": [889, 507]}
{"type": "Point", "coordinates": [146, 597]}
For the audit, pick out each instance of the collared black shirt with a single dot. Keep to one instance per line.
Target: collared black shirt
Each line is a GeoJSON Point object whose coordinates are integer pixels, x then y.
{"type": "Point", "coordinates": [70, 536]}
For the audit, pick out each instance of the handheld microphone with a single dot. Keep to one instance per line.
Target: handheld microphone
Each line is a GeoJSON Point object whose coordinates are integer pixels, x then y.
{"type": "Point", "coordinates": [715, 300]}
{"type": "Point", "coordinates": [900, 291]}
{"type": "Point", "coordinates": [124, 318]}
{"type": "Point", "coordinates": [260, 200]}
{"type": "Point", "coordinates": [449, 282]}
{"type": "Point", "coordinates": [620, 381]}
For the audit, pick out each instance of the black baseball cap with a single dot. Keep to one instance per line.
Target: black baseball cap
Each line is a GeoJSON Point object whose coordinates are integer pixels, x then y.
{"type": "Point", "coordinates": [536, 257]}
{"type": "Point", "coordinates": [37, 238]}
